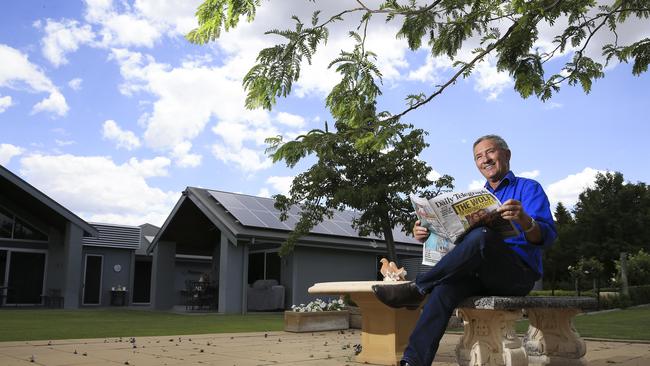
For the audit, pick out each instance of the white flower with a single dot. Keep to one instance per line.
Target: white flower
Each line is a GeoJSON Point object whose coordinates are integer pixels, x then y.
{"type": "Point", "coordinates": [320, 305]}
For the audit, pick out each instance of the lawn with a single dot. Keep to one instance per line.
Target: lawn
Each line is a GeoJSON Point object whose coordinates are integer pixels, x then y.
{"type": "Point", "coordinates": [34, 324]}
{"type": "Point", "coordinates": [28, 324]}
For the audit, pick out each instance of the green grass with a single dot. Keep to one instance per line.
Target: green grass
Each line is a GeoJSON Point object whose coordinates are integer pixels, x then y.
{"type": "Point", "coordinates": [28, 324]}
{"type": "Point", "coordinates": [617, 324]}
{"type": "Point", "coordinates": [32, 324]}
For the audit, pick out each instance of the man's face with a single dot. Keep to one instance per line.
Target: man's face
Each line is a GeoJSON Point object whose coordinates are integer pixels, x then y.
{"type": "Point", "coordinates": [491, 160]}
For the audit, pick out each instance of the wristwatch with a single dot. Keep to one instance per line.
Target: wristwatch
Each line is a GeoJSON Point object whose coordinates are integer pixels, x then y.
{"type": "Point", "coordinates": [533, 223]}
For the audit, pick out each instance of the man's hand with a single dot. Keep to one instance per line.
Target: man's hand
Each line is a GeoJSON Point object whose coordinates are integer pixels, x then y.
{"type": "Point", "coordinates": [420, 232]}
{"type": "Point", "coordinates": [512, 210]}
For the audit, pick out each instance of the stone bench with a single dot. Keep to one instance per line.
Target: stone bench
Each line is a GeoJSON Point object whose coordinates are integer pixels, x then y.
{"type": "Point", "coordinates": [489, 337]}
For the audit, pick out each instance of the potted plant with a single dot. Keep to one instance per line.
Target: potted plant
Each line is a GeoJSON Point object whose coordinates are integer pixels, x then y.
{"type": "Point", "coordinates": [318, 315]}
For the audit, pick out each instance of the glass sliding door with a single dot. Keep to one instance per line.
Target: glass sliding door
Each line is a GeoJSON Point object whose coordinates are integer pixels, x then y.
{"type": "Point", "coordinates": [93, 280]}
{"type": "Point", "coordinates": [25, 279]}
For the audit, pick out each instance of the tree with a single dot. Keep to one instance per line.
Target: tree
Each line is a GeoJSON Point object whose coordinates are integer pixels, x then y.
{"type": "Point", "coordinates": [371, 182]}
{"type": "Point", "coordinates": [612, 218]}
{"type": "Point", "coordinates": [505, 30]}
{"type": "Point", "coordinates": [563, 252]}
{"type": "Point", "coordinates": [638, 268]}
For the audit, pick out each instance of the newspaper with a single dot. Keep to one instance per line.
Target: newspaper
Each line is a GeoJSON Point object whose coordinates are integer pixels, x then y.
{"type": "Point", "coordinates": [449, 216]}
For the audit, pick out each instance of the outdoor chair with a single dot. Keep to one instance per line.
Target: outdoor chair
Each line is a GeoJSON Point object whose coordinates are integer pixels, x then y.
{"type": "Point", "coordinates": [53, 298]}
{"type": "Point", "coordinates": [265, 295]}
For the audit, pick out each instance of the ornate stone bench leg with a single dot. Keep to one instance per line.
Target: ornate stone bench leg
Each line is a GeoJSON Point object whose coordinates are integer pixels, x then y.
{"type": "Point", "coordinates": [552, 340]}
{"type": "Point", "coordinates": [489, 339]}
{"type": "Point", "coordinates": [384, 331]}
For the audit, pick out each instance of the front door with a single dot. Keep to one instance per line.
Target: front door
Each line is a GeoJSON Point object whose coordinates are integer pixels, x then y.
{"type": "Point", "coordinates": [93, 280]}
{"type": "Point", "coordinates": [142, 282]}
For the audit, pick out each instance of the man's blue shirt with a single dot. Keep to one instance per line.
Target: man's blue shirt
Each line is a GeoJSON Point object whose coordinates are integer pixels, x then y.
{"type": "Point", "coordinates": [535, 203]}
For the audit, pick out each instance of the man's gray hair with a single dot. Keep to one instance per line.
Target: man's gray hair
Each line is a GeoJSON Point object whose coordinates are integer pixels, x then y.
{"type": "Point", "coordinates": [496, 138]}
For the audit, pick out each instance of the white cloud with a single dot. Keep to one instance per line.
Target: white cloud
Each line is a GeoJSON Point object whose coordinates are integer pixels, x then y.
{"type": "Point", "coordinates": [280, 184]}
{"type": "Point", "coordinates": [489, 80]}
{"type": "Point", "coordinates": [98, 189]}
{"type": "Point", "coordinates": [568, 189]}
{"type": "Point", "coordinates": [5, 102]}
{"type": "Point", "coordinates": [476, 184]}
{"type": "Point", "coordinates": [75, 84]}
{"type": "Point", "coordinates": [8, 151]}
{"type": "Point", "coordinates": [183, 157]}
{"type": "Point", "coordinates": [156, 167]}
{"type": "Point", "coordinates": [531, 174]}
{"type": "Point", "coordinates": [433, 175]}
{"type": "Point", "coordinates": [63, 142]}
{"type": "Point", "coordinates": [264, 192]}
{"type": "Point", "coordinates": [55, 103]}
{"type": "Point", "coordinates": [247, 160]}
{"type": "Point", "coordinates": [142, 23]}
{"type": "Point", "coordinates": [290, 120]}
{"type": "Point", "coordinates": [64, 37]}
{"type": "Point", "coordinates": [123, 139]}
{"type": "Point", "coordinates": [20, 74]}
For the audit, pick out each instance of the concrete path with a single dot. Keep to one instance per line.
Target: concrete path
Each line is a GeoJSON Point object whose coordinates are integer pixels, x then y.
{"type": "Point", "coordinates": [252, 349]}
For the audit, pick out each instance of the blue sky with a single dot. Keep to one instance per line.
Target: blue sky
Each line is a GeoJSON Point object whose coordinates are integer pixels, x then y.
{"type": "Point", "coordinates": [106, 108]}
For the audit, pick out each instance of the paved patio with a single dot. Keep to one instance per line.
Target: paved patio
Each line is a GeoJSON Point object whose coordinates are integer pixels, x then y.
{"type": "Point", "coordinates": [249, 349]}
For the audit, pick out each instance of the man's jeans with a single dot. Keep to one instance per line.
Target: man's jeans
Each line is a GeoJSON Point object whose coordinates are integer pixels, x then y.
{"type": "Point", "coordinates": [480, 264]}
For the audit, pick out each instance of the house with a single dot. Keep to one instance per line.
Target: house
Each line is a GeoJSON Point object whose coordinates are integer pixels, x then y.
{"type": "Point", "coordinates": [41, 246]}
{"type": "Point", "coordinates": [241, 235]}
{"type": "Point", "coordinates": [49, 256]}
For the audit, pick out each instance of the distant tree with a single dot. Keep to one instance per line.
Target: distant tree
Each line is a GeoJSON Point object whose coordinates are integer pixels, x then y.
{"type": "Point", "coordinates": [612, 217]}
{"type": "Point", "coordinates": [507, 30]}
{"type": "Point", "coordinates": [638, 268]}
{"type": "Point", "coordinates": [563, 252]}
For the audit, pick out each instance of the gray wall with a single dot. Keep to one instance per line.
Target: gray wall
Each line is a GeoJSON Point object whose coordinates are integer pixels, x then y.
{"type": "Point", "coordinates": [110, 278]}
{"type": "Point", "coordinates": [312, 265]}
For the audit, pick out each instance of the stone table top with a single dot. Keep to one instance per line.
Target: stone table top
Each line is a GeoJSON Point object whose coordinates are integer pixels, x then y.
{"type": "Point", "coordinates": [348, 287]}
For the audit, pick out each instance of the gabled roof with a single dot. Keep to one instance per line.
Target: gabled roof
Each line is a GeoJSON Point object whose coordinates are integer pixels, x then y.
{"type": "Point", "coordinates": [25, 193]}
{"type": "Point", "coordinates": [243, 216]}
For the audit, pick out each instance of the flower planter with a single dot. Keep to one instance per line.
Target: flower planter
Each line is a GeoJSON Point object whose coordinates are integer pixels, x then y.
{"type": "Point", "coordinates": [315, 321]}
{"type": "Point", "coordinates": [355, 317]}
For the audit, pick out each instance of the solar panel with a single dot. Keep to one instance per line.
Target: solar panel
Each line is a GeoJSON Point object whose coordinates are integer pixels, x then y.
{"type": "Point", "coordinates": [260, 212]}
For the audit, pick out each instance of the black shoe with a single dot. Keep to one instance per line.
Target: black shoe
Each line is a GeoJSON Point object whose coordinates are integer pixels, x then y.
{"type": "Point", "coordinates": [404, 363]}
{"type": "Point", "coordinates": [398, 296]}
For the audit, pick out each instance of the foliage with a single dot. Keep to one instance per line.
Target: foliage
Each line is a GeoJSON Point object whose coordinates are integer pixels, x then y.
{"type": "Point", "coordinates": [559, 256]}
{"type": "Point", "coordinates": [611, 218]}
{"type": "Point", "coordinates": [369, 168]}
{"type": "Point", "coordinates": [506, 30]}
{"type": "Point", "coordinates": [638, 268]}
{"type": "Point", "coordinates": [320, 305]}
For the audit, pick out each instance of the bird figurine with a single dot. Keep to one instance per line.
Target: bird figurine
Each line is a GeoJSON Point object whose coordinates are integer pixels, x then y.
{"type": "Point", "coordinates": [391, 272]}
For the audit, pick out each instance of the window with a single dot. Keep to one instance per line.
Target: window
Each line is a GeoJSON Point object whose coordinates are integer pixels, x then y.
{"type": "Point", "coordinates": [6, 224]}
{"type": "Point", "coordinates": [23, 230]}
{"type": "Point", "coordinates": [12, 227]}
{"type": "Point", "coordinates": [264, 266]}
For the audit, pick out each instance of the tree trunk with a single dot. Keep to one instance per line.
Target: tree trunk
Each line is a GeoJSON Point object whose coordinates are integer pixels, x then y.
{"type": "Point", "coordinates": [388, 238]}
{"type": "Point", "coordinates": [624, 287]}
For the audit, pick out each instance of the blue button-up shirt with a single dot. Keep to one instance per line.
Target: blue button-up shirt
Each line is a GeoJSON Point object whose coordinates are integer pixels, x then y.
{"type": "Point", "coordinates": [535, 203]}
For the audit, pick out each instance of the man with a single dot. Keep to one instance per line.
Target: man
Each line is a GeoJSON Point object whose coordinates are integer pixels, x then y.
{"type": "Point", "coordinates": [482, 263]}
